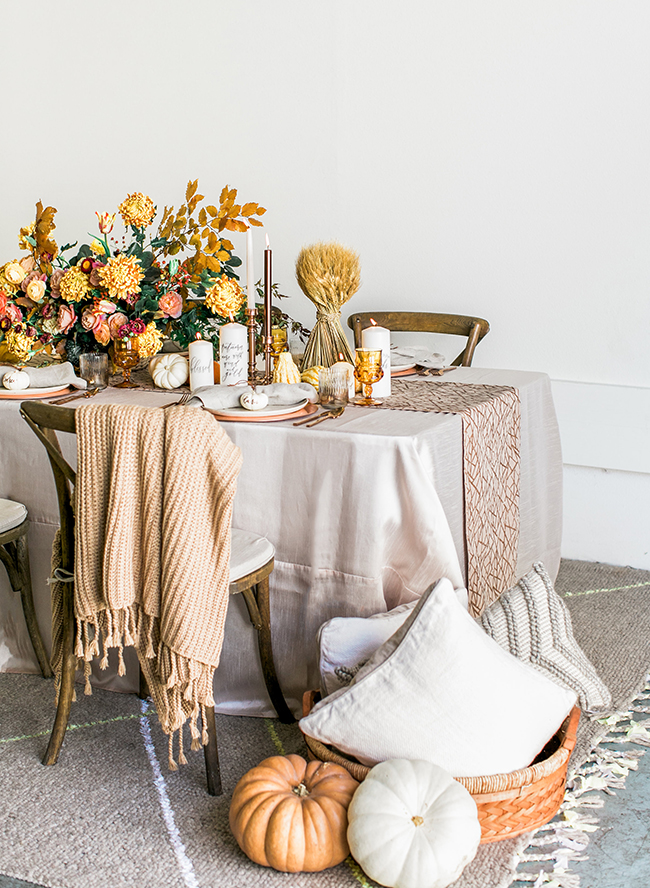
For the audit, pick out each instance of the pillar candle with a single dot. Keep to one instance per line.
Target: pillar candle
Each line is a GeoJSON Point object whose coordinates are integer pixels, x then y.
{"type": "Point", "coordinates": [376, 337]}
{"type": "Point", "coordinates": [250, 270]}
{"type": "Point", "coordinates": [233, 354]}
{"type": "Point", "coordinates": [201, 363]}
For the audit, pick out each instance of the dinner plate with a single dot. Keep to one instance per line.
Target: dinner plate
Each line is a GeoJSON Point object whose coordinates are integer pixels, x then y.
{"type": "Point", "coordinates": [31, 393]}
{"type": "Point", "coordinates": [267, 414]}
{"type": "Point", "coordinates": [399, 369]}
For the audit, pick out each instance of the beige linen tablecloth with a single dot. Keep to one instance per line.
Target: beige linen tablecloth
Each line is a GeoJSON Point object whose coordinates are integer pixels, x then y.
{"type": "Point", "coordinates": [364, 511]}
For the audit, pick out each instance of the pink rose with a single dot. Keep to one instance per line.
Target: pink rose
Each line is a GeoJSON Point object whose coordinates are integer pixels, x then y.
{"type": "Point", "coordinates": [171, 304]}
{"type": "Point", "coordinates": [35, 289]}
{"type": "Point", "coordinates": [89, 319]}
{"type": "Point", "coordinates": [28, 263]}
{"type": "Point", "coordinates": [116, 321]}
{"type": "Point", "coordinates": [14, 314]}
{"type": "Point", "coordinates": [67, 318]}
{"type": "Point", "coordinates": [3, 303]}
{"type": "Point", "coordinates": [93, 277]}
{"type": "Point", "coordinates": [105, 306]}
{"type": "Point", "coordinates": [55, 280]}
{"type": "Point", "coordinates": [102, 331]}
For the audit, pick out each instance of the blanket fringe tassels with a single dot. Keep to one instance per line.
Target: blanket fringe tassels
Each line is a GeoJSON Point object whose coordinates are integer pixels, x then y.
{"type": "Point", "coordinates": [547, 860]}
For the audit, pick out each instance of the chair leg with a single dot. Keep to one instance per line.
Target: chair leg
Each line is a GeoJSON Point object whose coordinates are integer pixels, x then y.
{"type": "Point", "coordinates": [66, 691]}
{"type": "Point", "coordinates": [259, 609]}
{"type": "Point", "coordinates": [27, 599]}
{"type": "Point", "coordinates": [211, 754]}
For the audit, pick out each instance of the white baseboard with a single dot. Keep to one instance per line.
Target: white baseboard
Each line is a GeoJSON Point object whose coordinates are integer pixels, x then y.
{"type": "Point", "coordinates": [606, 516]}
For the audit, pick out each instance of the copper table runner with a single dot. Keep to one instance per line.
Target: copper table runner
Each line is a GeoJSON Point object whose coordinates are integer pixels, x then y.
{"type": "Point", "coordinates": [491, 462]}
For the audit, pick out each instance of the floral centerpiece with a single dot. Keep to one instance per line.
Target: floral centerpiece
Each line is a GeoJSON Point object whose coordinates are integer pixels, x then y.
{"type": "Point", "coordinates": [174, 282]}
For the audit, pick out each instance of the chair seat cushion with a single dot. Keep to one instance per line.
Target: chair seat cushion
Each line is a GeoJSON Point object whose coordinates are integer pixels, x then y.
{"type": "Point", "coordinates": [248, 552]}
{"type": "Point", "coordinates": [11, 514]}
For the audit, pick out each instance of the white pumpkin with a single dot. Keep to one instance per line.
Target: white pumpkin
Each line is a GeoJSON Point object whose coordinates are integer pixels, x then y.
{"type": "Point", "coordinates": [253, 400]}
{"type": "Point", "coordinates": [16, 380]}
{"type": "Point", "coordinates": [168, 371]}
{"type": "Point", "coordinates": [411, 825]}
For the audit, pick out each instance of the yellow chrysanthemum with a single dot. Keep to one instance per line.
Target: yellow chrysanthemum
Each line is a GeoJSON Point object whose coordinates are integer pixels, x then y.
{"type": "Point", "coordinates": [27, 231]}
{"type": "Point", "coordinates": [137, 209]}
{"type": "Point", "coordinates": [97, 247]}
{"type": "Point", "coordinates": [74, 285]}
{"type": "Point", "coordinates": [150, 342]}
{"type": "Point", "coordinates": [121, 276]}
{"type": "Point", "coordinates": [226, 297]}
{"type": "Point", "coordinates": [18, 345]}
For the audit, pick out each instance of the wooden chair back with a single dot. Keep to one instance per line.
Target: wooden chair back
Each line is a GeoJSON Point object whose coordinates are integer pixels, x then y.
{"type": "Point", "coordinates": [45, 420]}
{"type": "Point", "coordinates": [425, 322]}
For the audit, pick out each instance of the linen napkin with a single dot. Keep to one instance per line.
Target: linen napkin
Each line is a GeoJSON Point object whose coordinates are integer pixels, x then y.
{"type": "Point", "coordinates": [422, 357]}
{"type": "Point", "coordinates": [46, 377]}
{"type": "Point", "coordinates": [280, 394]}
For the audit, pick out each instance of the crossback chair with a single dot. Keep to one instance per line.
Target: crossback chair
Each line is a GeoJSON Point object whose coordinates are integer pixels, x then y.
{"type": "Point", "coordinates": [425, 322]}
{"type": "Point", "coordinates": [251, 563]}
{"type": "Point", "coordinates": [14, 554]}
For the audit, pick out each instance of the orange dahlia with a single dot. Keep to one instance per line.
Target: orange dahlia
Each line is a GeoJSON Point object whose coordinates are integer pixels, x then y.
{"type": "Point", "coordinates": [121, 276]}
{"type": "Point", "coordinates": [137, 210]}
{"type": "Point", "coordinates": [225, 297]}
{"type": "Point", "coordinates": [74, 285]}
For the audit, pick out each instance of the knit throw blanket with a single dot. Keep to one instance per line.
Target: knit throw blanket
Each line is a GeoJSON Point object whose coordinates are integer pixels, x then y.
{"type": "Point", "coordinates": [153, 507]}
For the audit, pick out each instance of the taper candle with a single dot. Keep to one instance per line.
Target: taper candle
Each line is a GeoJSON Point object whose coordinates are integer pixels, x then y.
{"type": "Point", "coordinates": [268, 283]}
{"type": "Point", "coordinates": [250, 270]}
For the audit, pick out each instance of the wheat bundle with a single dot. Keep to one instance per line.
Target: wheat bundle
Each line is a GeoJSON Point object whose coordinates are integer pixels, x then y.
{"type": "Point", "coordinates": [329, 275]}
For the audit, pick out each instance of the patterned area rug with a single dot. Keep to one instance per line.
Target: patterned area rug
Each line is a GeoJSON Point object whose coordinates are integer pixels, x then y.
{"type": "Point", "coordinates": [110, 814]}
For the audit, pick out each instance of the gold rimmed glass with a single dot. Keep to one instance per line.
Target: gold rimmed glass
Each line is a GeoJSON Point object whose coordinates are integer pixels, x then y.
{"type": "Point", "coordinates": [368, 370]}
{"type": "Point", "coordinates": [125, 356]}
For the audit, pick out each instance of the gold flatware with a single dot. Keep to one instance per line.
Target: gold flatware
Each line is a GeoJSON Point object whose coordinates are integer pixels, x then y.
{"type": "Point", "coordinates": [184, 398]}
{"type": "Point", "coordinates": [309, 418]}
{"type": "Point", "coordinates": [87, 394]}
{"type": "Point", "coordinates": [331, 414]}
{"type": "Point", "coordinates": [431, 371]}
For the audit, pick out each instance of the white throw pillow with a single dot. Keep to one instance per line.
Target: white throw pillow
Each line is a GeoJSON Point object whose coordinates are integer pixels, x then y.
{"type": "Point", "coordinates": [441, 690]}
{"type": "Point", "coordinates": [345, 643]}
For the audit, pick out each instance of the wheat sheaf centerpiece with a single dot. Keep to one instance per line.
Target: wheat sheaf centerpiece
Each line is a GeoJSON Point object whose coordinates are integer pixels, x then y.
{"type": "Point", "coordinates": [329, 274]}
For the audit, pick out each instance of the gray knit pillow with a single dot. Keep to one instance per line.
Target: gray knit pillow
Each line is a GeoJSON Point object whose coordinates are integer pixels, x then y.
{"type": "Point", "coordinates": [533, 623]}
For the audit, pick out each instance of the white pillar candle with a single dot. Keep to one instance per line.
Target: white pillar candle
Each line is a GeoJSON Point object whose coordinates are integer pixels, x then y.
{"type": "Point", "coordinates": [201, 363]}
{"type": "Point", "coordinates": [250, 270]}
{"type": "Point", "coordinates": [376, 337]}
{"type": "Point", "coordinates": [233, 354]}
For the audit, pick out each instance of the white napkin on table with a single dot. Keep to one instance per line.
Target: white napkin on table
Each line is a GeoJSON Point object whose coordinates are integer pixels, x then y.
{"type": "Point", "coordinates": [399, 356]}
{"type": "Point", "coordinates": [280, 394]}
{"type": "Point", "coordinates": [48, 376]}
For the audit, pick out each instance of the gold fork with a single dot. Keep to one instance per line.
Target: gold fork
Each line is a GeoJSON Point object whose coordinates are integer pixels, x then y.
{"type": "Point", "coordinates": [184, 398]}
{"type": "Point", "coordinates": [86, 394]}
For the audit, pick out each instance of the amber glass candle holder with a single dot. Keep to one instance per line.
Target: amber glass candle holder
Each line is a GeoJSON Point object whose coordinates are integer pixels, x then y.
{"type": "Point", "coordinates": [125, 356]}
{"type": "Point", "coordinates": [368, 370]}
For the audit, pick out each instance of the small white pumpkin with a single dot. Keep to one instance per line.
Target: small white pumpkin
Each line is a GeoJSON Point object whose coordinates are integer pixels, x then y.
{"type": "Point", "coordinates": [411, 825]}
{"type": "Point", "coordinates": [168, 371]}
{"type": "Point", "coordinates": [253, 400]}
{"type": "Point", "coordinates": [16, 380]}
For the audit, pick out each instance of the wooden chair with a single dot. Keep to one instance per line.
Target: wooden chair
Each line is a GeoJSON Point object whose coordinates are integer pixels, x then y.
{"type": "Point", "coordinates": [425, 322]}
{"type": "Point", "coordinates": [14, 554]}
{"type": "Point", "coordinates": [251, 563]}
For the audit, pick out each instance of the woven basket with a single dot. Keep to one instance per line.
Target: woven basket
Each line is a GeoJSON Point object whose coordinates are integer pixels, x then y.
{"type": "Point", "coordinates": [508, 804]}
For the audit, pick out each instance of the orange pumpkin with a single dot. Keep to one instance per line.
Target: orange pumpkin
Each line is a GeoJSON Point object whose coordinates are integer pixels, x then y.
{"type": "Point", "coordinates": [291, 815]}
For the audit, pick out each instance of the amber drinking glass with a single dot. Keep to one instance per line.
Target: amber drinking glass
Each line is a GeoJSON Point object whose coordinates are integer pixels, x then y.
{"type": "Point", "coordinates": [368, 370]}
{"type": "Point", "coordinates": [125, 356]}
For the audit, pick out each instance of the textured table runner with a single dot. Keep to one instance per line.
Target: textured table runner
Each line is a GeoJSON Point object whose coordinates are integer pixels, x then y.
{"type": "Point", "coordinates": [491, 463]}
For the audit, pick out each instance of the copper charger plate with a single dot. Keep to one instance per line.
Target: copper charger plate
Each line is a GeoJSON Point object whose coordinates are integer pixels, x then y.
{"type": "Point", "coordinates": [33, 394]}
{"type": "Point", "coordinates": [249, 416]}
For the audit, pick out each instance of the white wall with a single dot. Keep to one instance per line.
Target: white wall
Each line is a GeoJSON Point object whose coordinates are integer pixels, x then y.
{"type": "Point", "coordinates": [482, 156]}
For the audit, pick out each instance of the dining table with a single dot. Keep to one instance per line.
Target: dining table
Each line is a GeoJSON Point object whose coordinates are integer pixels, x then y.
{"type": "Point", "coordinates": [365, 512]}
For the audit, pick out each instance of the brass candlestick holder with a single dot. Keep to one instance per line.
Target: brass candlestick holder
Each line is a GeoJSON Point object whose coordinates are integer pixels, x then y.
{"type": "Point", "coordinates": [250, 323]}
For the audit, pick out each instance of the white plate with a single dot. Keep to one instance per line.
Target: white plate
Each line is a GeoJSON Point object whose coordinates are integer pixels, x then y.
{"type": "Point", "coordinates": [265, 411]}
{"type": "Point", "coordinates": [399, 368]}
{"type": "Point", "coordinates": [35, 392]}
